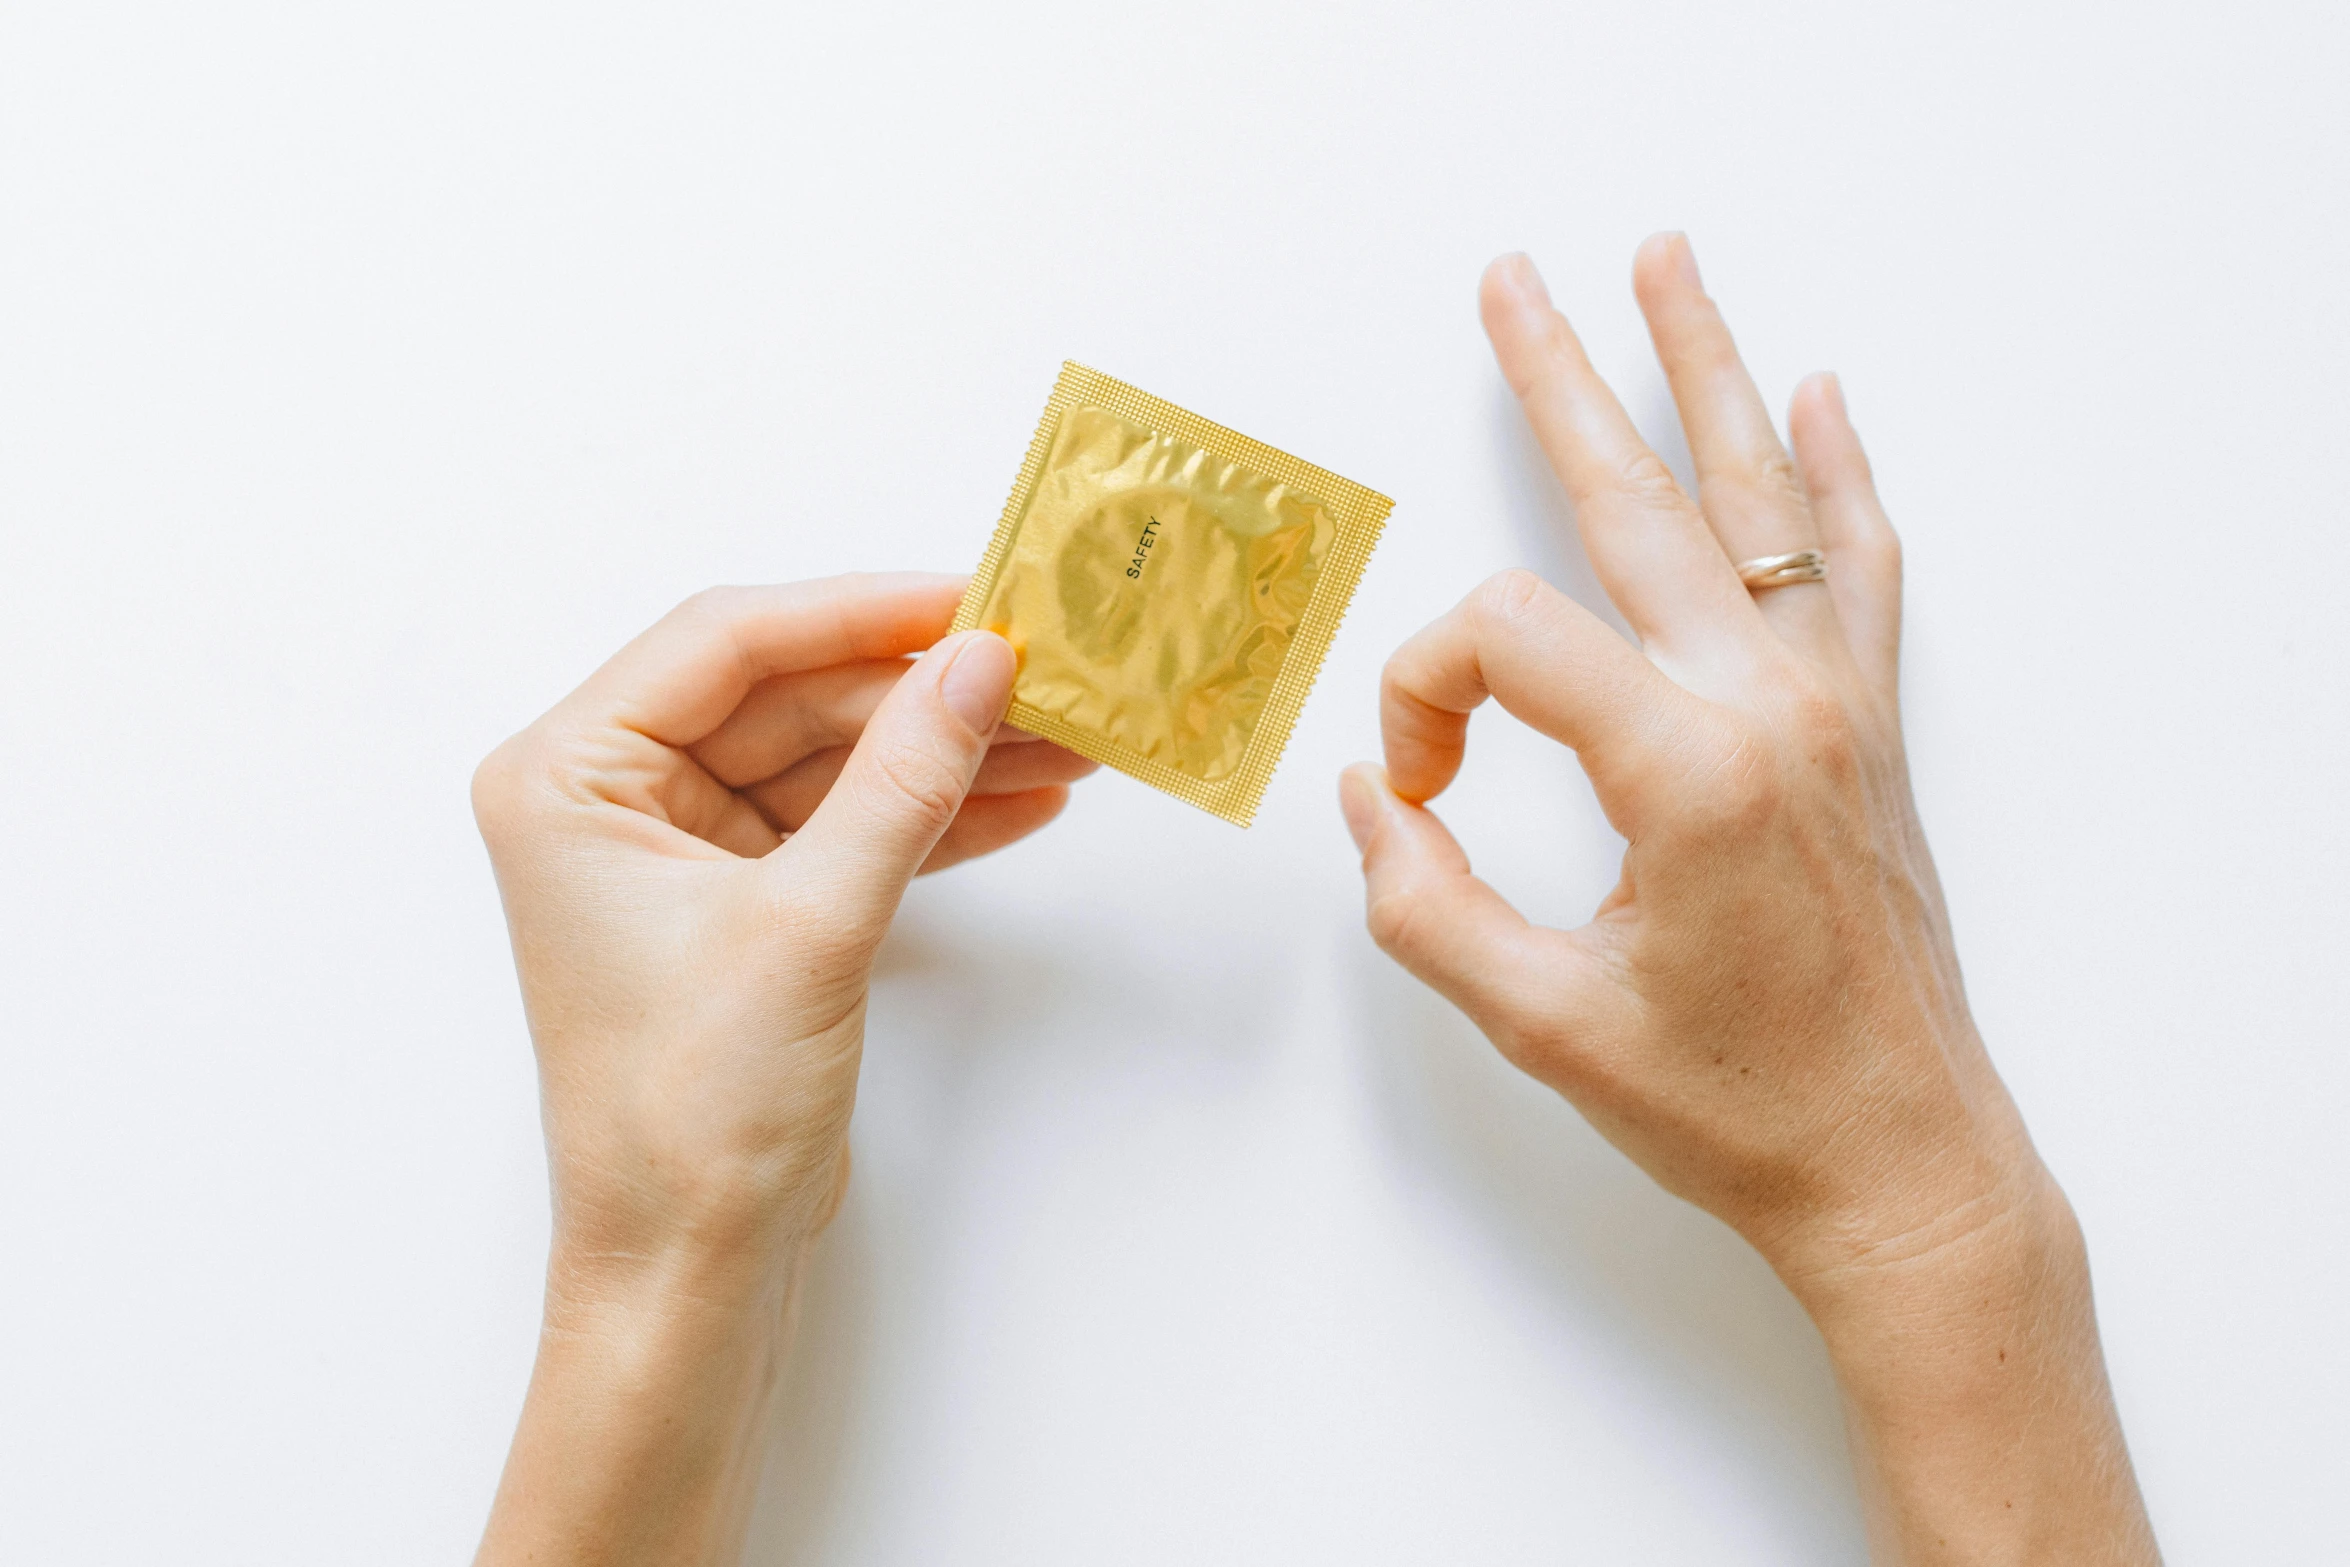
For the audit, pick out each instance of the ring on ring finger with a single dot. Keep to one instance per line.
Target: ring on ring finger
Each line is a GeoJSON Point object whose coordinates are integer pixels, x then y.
{"type": "Point", "coordinates": [1777, 571]}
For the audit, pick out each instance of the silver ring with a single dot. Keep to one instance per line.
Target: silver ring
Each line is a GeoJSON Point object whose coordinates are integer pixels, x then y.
{"type": "Point", "coordinates": [1776, 571]}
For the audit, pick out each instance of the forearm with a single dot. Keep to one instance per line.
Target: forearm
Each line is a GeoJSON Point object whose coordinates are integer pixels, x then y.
{"type": "Point", "coordinates": [1982, 1425]}
{"type": "Point", "coordinates": [643, 1431]}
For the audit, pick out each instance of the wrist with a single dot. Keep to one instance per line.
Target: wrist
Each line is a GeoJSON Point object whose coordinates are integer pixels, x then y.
{"type": "Point", "coordinates": [641, 1437]}
{"type": "Point", "coordinates": [1950, 1295]}
{"type": "Point", "coordinates": [1938, 1206]}
{"type": "Point", "coordinates": [721, 1262]}
{"type": "Point", "coordinates": [1981, 1422]}
{"type": "Point", "coordinates": [1925, 1256]}
{"type": "Point", "coordinates": [717, 1227]}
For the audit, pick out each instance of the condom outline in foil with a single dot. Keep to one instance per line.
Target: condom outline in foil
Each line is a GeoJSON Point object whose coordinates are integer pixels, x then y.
{"type": "Point", "coordinates": [1171, 587]}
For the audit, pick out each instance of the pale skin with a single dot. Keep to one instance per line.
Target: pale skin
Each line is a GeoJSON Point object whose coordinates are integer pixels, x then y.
{"type": "Point", "coordinates": [695, 985]}
{"type": "Point", "coordinates": [701, 849]}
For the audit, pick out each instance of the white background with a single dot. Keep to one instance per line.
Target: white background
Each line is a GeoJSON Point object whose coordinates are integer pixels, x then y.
{"type": "Point", "coordinates": [368, 373]}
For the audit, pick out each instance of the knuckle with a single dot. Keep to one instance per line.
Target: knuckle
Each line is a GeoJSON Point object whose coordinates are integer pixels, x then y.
{"type": "Point", "coordinates": [1769, 486]}
{"type": "Point", "coordinates": [1532, 1044]}
{"type": "Point", "coordinates": [712, 603]}
{"type": "Point", "coordinates": [1873, 557]}
{"type": "Point", "coordinates": [1407, 923]}
{"type": "Point", "coordinates": [1776, 469]}
{"type": "Point", "coordinates": [1399, 677]}
{"type": "Point", "coordinates": [1552, 349]}
{"type": "Point", "coordinates": [1803, 704]}
{"type": "Point", "coordinates": [1644, 478]}
{"type": "Point", "coordinates": [1740, 792]}
{"type": "Point", "coordinates": [497, 786]}
{"type": "Point", "coordinates": [1389, 917]}
{"type": "Point", "coordinates": [813, 929]}
{"type": "Point", "coordinates": [921, 784]}
{"type": "Point", "coordinates": [1822, 725]}
{"type": "Point", "coordinates": [1777, 479]}
{"type": "Point", "coordinates": [1506, 598]}
{"type": "Point", "coordinates": [1542, 1032]}
{"type": "Point", "coordinates": [712, 611]}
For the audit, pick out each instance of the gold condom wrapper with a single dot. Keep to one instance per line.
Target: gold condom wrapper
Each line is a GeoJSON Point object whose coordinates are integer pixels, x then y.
{"type": "Point", "coordinates": [1170, 587]}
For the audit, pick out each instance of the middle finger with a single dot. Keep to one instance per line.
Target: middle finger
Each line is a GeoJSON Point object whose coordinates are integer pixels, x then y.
{"type": "Point", "coordinates": [1746, 483]}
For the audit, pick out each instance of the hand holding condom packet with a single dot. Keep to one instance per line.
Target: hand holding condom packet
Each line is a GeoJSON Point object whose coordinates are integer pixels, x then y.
{"type": "Point", "coordinates": [1170, 587]}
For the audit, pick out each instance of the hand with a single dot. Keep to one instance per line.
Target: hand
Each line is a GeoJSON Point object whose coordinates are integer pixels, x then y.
{"type": "Point", "coordinates": [1766, 1012]}
{"type": "Point", "coordinates": [699, 851]}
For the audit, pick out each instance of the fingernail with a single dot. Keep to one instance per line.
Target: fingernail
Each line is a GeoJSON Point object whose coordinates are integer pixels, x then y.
{"type": "Point", "coordinates": [977, 686]}
{"type": "Point", "coordinates": [1835, 384]}
{"type": "Point", "coordinates": [1517, 271]}
{"type": "Point", "coordinates": [1358, 803]}
{"type": "Point", "coordinates": [1685, 260]}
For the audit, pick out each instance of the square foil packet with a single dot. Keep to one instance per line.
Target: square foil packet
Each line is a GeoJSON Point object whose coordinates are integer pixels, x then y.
{"type": "Point", "coordinates": [1170, 587]}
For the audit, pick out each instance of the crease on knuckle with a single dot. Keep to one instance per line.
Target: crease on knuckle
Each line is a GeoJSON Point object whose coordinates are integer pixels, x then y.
{"type": "Point", "coordinates": [1392, 917]}
{"type": "Point", "coordinates": [1645, 478]}
{"type": "Point", "coordinates": [496, 788]}
{"type": "Point", "coordinates": [826, 952]}
{"type": "Point", "coordinates": [1550, 353]}
{"type": "Point", "coordinates": [1535, 1044]}
{"type": "Point", "coordinates": [1506, 599]}
{"type": "Point", "coordinates": [718, 612]}
{"type": "Point", "coordinates": [1822, 723]}
{"type": "Point", "coordinates": [1734, 799]}
{"type": "Point", "coordinates": [924, 784]}
{"type": "Point", "coordinates": [1402, 677]}
{"type": "Point", "coordinates": [1776, 475]}
{"type": "Point", "coordinates": [1769, 485]}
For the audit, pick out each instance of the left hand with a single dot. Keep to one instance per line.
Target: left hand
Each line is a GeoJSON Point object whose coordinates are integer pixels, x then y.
{"type": "Point", "coordinates": [699, 851]}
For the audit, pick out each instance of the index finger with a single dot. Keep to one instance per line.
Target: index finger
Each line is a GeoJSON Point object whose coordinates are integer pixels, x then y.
{"type": "Point", "coordinates": [680, 679]}
{"type": "Point", "coordinates": [1646, 539]}
{"type": "Point", "coordinates": [1549, 661]}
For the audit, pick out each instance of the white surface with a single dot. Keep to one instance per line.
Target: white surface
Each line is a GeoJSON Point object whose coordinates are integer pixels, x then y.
{"type": "Point", "coordinates": [366, 376]}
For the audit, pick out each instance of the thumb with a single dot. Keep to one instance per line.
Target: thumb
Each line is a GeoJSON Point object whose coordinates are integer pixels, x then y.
{"type": "Point", "coordinates": [1535, 992]}
{"type": "Point", "coordinates": [906, 778]}
{"type": "Point", "coordinates": [1424, 907]}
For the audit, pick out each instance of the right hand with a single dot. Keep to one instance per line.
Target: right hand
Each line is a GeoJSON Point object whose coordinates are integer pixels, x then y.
{"type": "Point", "coordinates": [1766, 1013]}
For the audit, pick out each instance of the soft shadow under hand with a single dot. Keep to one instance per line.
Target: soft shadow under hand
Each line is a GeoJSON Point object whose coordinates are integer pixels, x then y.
{"type": "Point", "coordinates": [1693, 1311]}
{"type": "Point", "coordinates": [989, 978]}
{"type": "Point", "coordinates": [816, 1399]}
